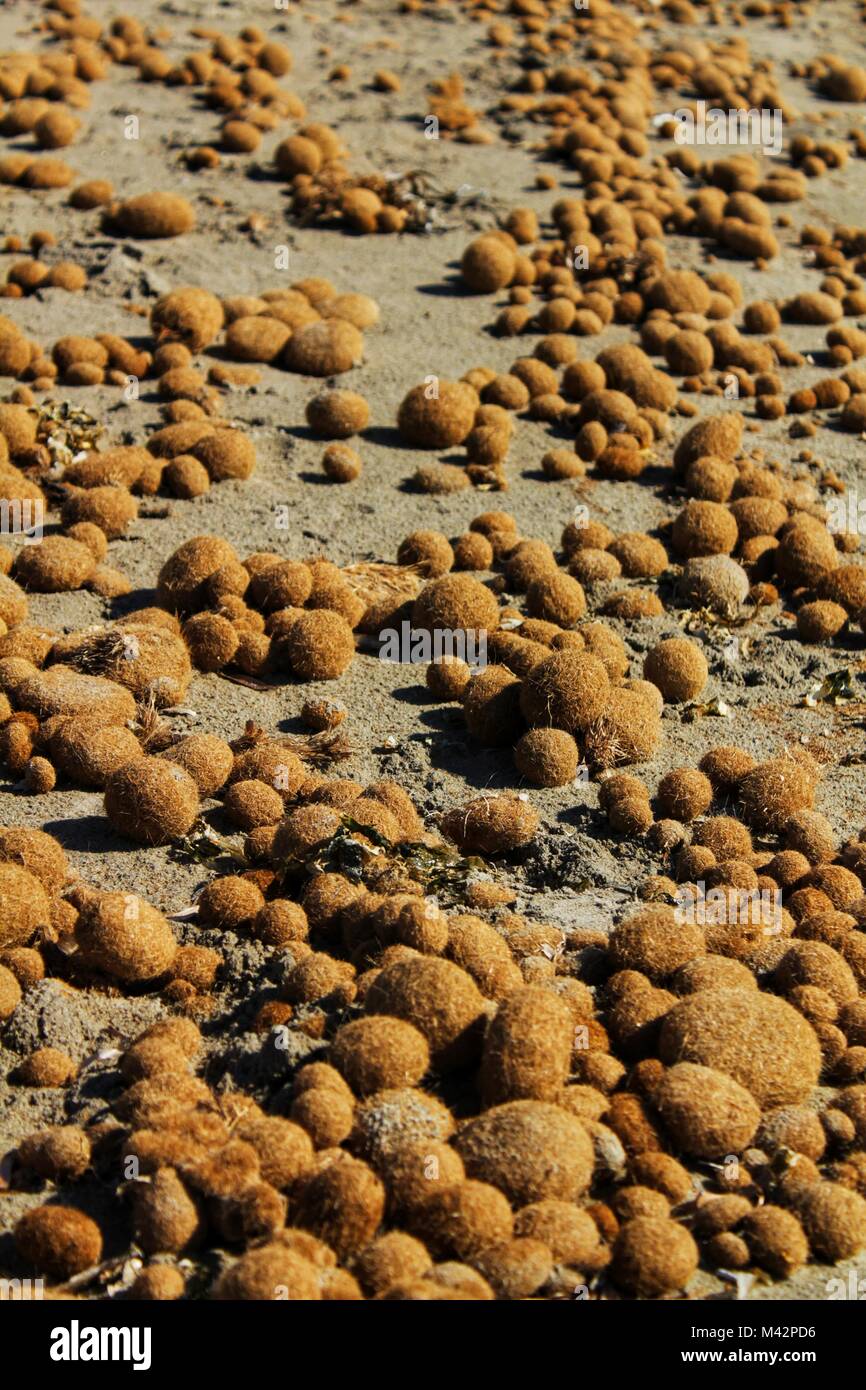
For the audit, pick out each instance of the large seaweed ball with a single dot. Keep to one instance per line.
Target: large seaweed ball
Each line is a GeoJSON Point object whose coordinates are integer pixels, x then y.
{"type": "Point", "coordinates": [820, 621]}
{"type": "Point", "coordinates": [440, 418]}
{"type": "Point", "coordinates": [706, 1113]}
{"type": "Point", "coordinates": [725, 765]}
{"type": "Point", "coordinates": [806, 554]}
{"type": "Point", "coordinates": [58, 1241]}
{"type": "Point", "coordinates": [703, 528]}
{"type": "Point", "coordinates": [436, 997]}
{"type": "Point", "coordinates": [151, 801]}
{"type": "Point", "coordinates": [455, 603]}
{"type": "Point", "coordinates": [834, 1219]}
{"type": "Point", "coordinates": [212, 641]}
{"type": "Point", "coordinates": [320, 645]}
{"type": "Point", "coordinates": [653, 1255]}
{"type": "Point", "coordinates": [151, 216]}
{"type": "Point", "coordinates": [556, 598]}
{"type": "Point", "coordinates": [60, 1153]}
{"type": "Point", "coordinates": [376, 1053]}
{"type": "Point", "coordinates": [166, 1219]}
{"type": "Point", "coordinates": [429, 550]}
{"type": "Point", "coordinates": [568, 690]}
{"type": "Point", "coordinates": [125, 937]}
{"type": "Point", "coordinates": [527, 1047]}
{"type": "Point", "coordinates": [206, 758]}
{"type": "Point", "coordinates": [759, 1040]}
{"type": "Point", "coordinates": [462, 1220]}
{"type": "Point", "coordinates": [715, 582]}
{"type": "Point", "coordinates": [567, 1230]}
{"type": "Point", "coordinates": [57, 565]}
{"type": "Point", "coordinates": [343, 1204]}
{"type": "Point", "coordinates": [268, 1272]}
{"type": "Point", "coordinates": [230, 903]}
{"type": "Point", "coordinates": [327, 348]}
{"type": "Point", "coordinates": [337, 414]}
{"type": "Point", "coordinates": [24, 905]}
{"type": "Point", "coordinates": [684, 794]}
{"type": "Point", "coordinates": [110, 508]}
{"type": "Point", "coordinates": [37, 852]}
{"type": "Point", "coordinates": [488, 264]}
{"type": "Point", "coordinates": [391, 1259]}
{"type": "Point", "coordinates": [718, 435]}
{"type": "Point", "coordinates": [509, 1146]}
{"type": "Point", "coordinates": [492, 825]}
{"type": "Point", "coordinates": [655, 941]}
{"type": "Point", "coordinates": [184, 573]}
{"type": "Point", "coordinates": [776, 1240]}
{"type": "Point", "coordinates": [811, 834]}
{"type": "Point", "coordinates": [678, 667]}
{"type": "Point", "coordinates": [491, 706]}
{"type": "Point", "coordinates": [547, 757]}
{"type": "Point", "coordinates": [774, 791]}
{"type": "Point", "coordinates": [226, 454]}
{"type": "Point", "coordinates": [194, 316]}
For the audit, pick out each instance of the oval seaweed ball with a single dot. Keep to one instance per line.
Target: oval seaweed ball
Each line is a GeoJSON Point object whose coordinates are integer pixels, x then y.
{"type": "Point", "coordinates": [774, 791]}
{"type": "Point", "coordinates": [684, 794]}
{"type": "Point", "coordinates": [509, 1146]}
{"type": "Point", "coordinates": [436, 997]}
{"type": "Point", "coordinates": [759, 1040]}
{"type": "Point", "coordinates": [655, 941]}
{"type": "Point", "coordinates": [194, 316]}
{"type": "Point", "coordinates": [24, 905]}
{"type": "Point", "coordinates": [527, 1047]}
{"type": "Point", "coordinates": [568, 690]}
{"type": "Point", "coordinates": [124, 936]}
{"type": "Point", "coordinates": [320, 645]}
{"type": "Point", "coordinates": [342, 1204]}
{"type": "Point", "coordinates": [155, 215]}
{"type": "Point", "coordinates": [455, 603]}
{"type": "Point", "coordinates": [547, 757]}
{"type": "Point", "coordinates": [60, 1153]}
{"type": "Point", "coordinates": [327, 348]}
{"type": "Point", "coordinates": [441, 420]}
{"type": "Point", "coordinates": [706, 1113]}
{"type": "Point", "coordinates": [834, 1219]}
{"type": "Point", "coordinates": [206, 758]}
{"type": "Point", "coordinates": [337, 414]}
{"type": "Point", "coordinates": [464, 1219]}
{"type": "Point", "coordinates": [151, 801]}
{"type": "Point", "coordinates": [704, 528]}
{"type": "Point", "coordinates": [491, 825]}
{"type": "Point", "coordinates": [678, 667]}
{"type": "Point", "coordinates": [377, 1053]}
{"type": "Point", "coordinates": [653, 1255]}
{"type": "Point", "coordinates": [58, 1241]}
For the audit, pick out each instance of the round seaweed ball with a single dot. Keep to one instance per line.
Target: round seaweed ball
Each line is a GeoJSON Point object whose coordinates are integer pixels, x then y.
{"type": "Point", "coordinates": [653, 1255]}
{"type": "Point", "coordinates": [124, 936]}
{"type": "Point", "coordinates": [707, 1113]}
{"type": "Point", "coordinates": [509, 1146]}
{"type": "Point", "coordinates": [759, 1040]}
{"type": "Point", "coordinates": [376, 1053]}
{"type": "Point", "coordinates": [547, 757]}
{"type": "Point", "coordinates": [151, 801]}
{"type": "Point", "coordinates": [678, 667]}
{"type": "Point", "coordinates": [58, 1241]}
{"type": "Point", "coordinates": [436, 997]}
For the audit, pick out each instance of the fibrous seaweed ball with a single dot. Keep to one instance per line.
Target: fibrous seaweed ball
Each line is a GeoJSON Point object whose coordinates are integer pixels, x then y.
{"type": "Point", "coordinates": [429, 550]}
{"type": "Point", "coordinates": [376, 1053]}
{"type": "Point", "coordinates": [437, 414]}
{"type": "Point", "coordinates": [776, 1240]}
{"type": "Point", "coordinates": [10, 993]}
{"type": "Point", "coordinates": [206, 758]}
{"type": "Point", "coordinates": [820, 621]}
{"type": "Point", "coordinates": [678, 667]}
{"type": "Point", "coordinates": [655, 941]}
{"type": "Point", "coordinates": [155, 215]}
{"type": "Point", "coordinates": [725, 766]}
{"type": "Point", "coordinates": [194, 316]}
{"type": "Point", "coordinates": [226, 454]}
{"type": "Point", "coordinates": [715, 582]}
{"type": "Point", "coordinates": [230, 903]}
{"type": "Point", "coordinates": [342, 1204]}
{"type": "Point", "coordinates": [24, 905]}
{"type": "Point", "coordinates": [653, 1255]}
{"type": "Point", "coordinates": [337, 414]}
{"type": "Point", "coordinates": [684, 794]}
{"type": "Point", "coordinates": [58, 1241]}
{"type": "Point", "coordinates": [57, 565]}
{"type": "Point", "coordinates": [184, 573]}
{"type": "Point", "coordinates": [510, 1145]}
{"type": "Point", "coordinates": [269, 1272]}
{"type": "Point", "coordinates": [707, 1113]}
{"type": "Point", "coordinates": [60, 1153]}
{"type": "Point", "coordinates": [774, 791]}
{"type": "Point", "coordinates": [556, 598]}
{"type": "Point", "coordinates": [455, 603]}
{"type": "Point", "coordinates": [165, 1216]}
{"type": "Point", "coordinates": [327, 348]}
{"type": "Point", "coordinates": [488, 264]}
{"type": "Point", "coordinates": [492, 825]}
{"type": "Point", "coordinates": [812, 835]}
{"type": "Point", "coordinates": [124, 936]}
{"type": "Point", "coordinates": [212, 641]}
{"type": "Point", "coordinates": [158, 1283]}
{"type": "Point", "coordinates": [568, 690]}
{"type": "Point", "coordinates": [527, 1047]}
{"type": "Point", "coordinates": [461, 1220]}
{"type": "Point", "coordinates": [436, 997]}
{"type": "Point", "coordinates": [759, 1040]}
{"type": "Point", "coordinates": [320, 645]}
{"type": "Point", "coordinates": [547, 757]}
{"type": "Point", "coordinates": [47, 1066]}
{"type": "Point", "coordinates": [151, 801]}
{"type": "Point", "coordinates": [38, 853]}
{"type": "Point", "coordinates": [834, 1219]}
{"type": "Point", "coordinates": [567, 1230]}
